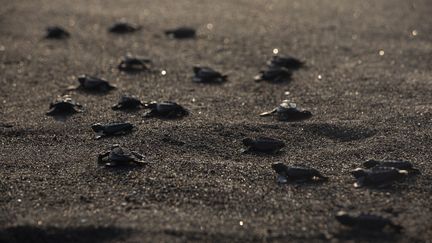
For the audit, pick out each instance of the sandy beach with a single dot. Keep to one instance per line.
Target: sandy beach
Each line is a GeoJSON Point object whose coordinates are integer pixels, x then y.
{"type": "Point", "coordinates": [367, 81]}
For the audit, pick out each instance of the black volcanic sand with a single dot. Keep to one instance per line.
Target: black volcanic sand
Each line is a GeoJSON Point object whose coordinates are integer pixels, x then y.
{"type": "Point", "coordinates": [199, 187]}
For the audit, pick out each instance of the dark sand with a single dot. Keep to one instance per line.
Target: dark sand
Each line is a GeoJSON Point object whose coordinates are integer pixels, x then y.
{"type": "Point", "coordinates": [199, 187]}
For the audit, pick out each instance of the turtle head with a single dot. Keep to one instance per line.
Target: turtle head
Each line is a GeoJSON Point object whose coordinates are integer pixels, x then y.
{"type": "Point", "coordinates": [370, 163]}
{"type": "Point", "coordinates": [151, 105]}
{"type": "Point", "coordinates": [97, 127]}
{"type": "Point", "coordinates": [279, 168]}
{"type": "Point", "coordinates": [115, 146]}
{"type": "Point", "coordinates": [359, 172]}
{"type": "Point", "coordinates": [248, 141]}
{"type": "Point", "coordinates": [82, 79]}
{"type": "Point", "coordinates": [307, 114]}
{"type": "Point", "coordinates": [344, 218]}
{"type": "Point", "coordinates": [196, 69]}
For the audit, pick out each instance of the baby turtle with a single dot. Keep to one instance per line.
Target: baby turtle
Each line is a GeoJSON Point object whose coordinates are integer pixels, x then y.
{"type": "Point", "coordinates": [275, 75]}
{"type": "Point", "coordinates": [94, 84]}
{"type": "Point", "coordinates": [208, 75]}
{"type": "Point", "coordinates": [118, 156]}
{"type": "Point", "coordinates": [134, 64]}
{"type": "Point", "coordinates": [398, 164]}
{"type": "Point", "coordinates": [377, 176]}
{"type": "Point", "coordinates": [123, 27]}
{"type": "Point", "coordinates": [111, 129]}
{"type": "Point", "coordinates": [296, 173]}
{"type": "Point", "coordinates": [64, 106]}
{"type": "Point", "coordinates": [263, 144]}
{"type": "Point", "coordinates": [166, 109]}
{"type": "Point", "coordinates": [366, 221]}
{"type": "Point", "coordinates": [287, 62]}
{"type": "Point", "coordinates": [56, 32]}
{"type": "Point", "coordinates": [287, 111]}
{"type": "Point", "coordinates": [128, 103]}
{"type": "Point", "coordinates": [181, 33]}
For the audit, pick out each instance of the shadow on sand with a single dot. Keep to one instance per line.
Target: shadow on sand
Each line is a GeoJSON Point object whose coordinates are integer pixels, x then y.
{"type": "Point", "coordinates": [35, 234]}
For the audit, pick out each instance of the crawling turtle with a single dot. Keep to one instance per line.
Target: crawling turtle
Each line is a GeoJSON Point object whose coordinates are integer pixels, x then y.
{"type": "Point", "coordinates": [56, 32]}
{"type": "Point", "coordinates": [64, 106]}
{"type": "Point", "coordinates": [366, 221]}
{"type": "Point", "coordinates": [263, 144]}
{"type": "Point", "coordinates": [398, 164]}
{"type": "Point", "coordinates": [287, 62]}
{"type": "Point", "coordinates": [111, 129]}
{"type": "Point", "coordinates": [377, 176]}
{"type": "Point", "coordinates": [207, 75]}
{"type": "Point", "coordinates": [123, 27]}
{"type": "Point", "coordinates": [181, 33]}
{"type": "Point", "coordinates": [120, 156]}
{"type": "Point", "coordinates": [134, 64]}
{"type": "Point", "coordinates": [94, 84]}
{"type": "Point", "coordinates": [128, 103]}
{"type": "Point", "coordinates": [287, 111]}
{"type": "Point", "coordinates": [166, 109]}
{"type": "Point", "coordinates": [274, 74]}
{"type": "Point", "coordinates": [296, 173]}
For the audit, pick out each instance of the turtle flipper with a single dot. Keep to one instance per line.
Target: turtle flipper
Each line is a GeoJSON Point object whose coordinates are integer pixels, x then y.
{"type": "Point", "coordinates": [281, 179]}
{"type": "Point", "coordinates": [150, 113]}
{"type": "Point", "coordinates": [138, 158]}
{"type": "Point", "coordinates": [101, 157]}
{"type": "Point", "coordinates": [100, 135]}
{"type": "Point", "coordinates": [245, 150]}
{"type": "Point", "coordinates": [359, 183]}
{"type": "Point", "coordinates": [268, 113]}
{"type": "Point", "coordinates": [137, 155]}
{"type": "Point", "coordinates": [116, 107]}
{"type": "Point", "coordinates": [258, 78]}
{"type": "Point", "coordinates": [396, 227]}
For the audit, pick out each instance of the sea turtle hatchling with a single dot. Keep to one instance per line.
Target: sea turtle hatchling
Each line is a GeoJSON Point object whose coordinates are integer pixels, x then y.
{"type": "Point", "coordinates": [208, 75]}
{"type": "Point", "coordinates": [297, 174]}
{"type": "Point", "coordinates": [134, 64]}
{"type": "Point", "coordinates": [123, 27]}
{"type": "Point", "coordinates": [287, 111]}
{"type": "Point", "coordinates": [166, 109]}
{"type": "Point", "coordinates": [56, 32]}
{"type": "Point", "coordinates": [274, 74]}
{"type": "Point", "coordinates": [94, 84]}
{"type": "Point", "coordinates": [287, 62]}
{"type": "Point", "coordinates": [181, 33]}
{"type": "Point", "coordinates": [120, 156]}
{"type": "Point", "coordinates": [64, 106]}
{"type": "Point", "coordinates": [128, 103]}
{"type": "Point", "coordinates": [377, 176]}
{"type": "Point", "coordinates": [365, 221]}
{"type": "Point", "coordinates": [398, 164]}
{"type": "Point", "coordinates": [111, 129]}
{"type": "Point", "coordinates": [262, 144]}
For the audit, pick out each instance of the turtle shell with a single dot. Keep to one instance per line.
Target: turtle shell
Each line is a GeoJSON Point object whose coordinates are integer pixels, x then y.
{"type": "Point", "coordinates": [64, 106]}
{"type": "Point", "coordinates": [123, 28]}
{"type": "Point", "coordinates": [134, 64]}
{"type": "Point", "coordinates": [287, 62]}
{"type": "Point", "coordinates": [275, 74]}
{"type": "Point", "coordinates": [166, 109]}
{"type": "Point", "coordinates": [181, 33]}
{"type": "Point", "coordinates": [365, 221]}
{"type": "Point", "coordinates": [128, 103]}
{"type": "Point", "coordinates": [207, 75]}
{"type": "Point", "coordinates": [94, 84]}
{"type": "Point", "coordinates": [377, 176]}
{"type": "Point", "coordinates": [263, 144]}
{"type": "Point", "coordinates": [56, 32]}
{"type": "Point", "coordinates": [298, 173]}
